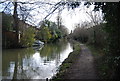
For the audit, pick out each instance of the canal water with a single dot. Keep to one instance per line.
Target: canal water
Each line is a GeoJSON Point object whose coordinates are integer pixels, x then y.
{"type": "Point", "coordinates": [34, 63]}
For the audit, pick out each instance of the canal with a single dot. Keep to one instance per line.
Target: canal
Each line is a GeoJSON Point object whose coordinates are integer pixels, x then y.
{"type": "Point", "coordinates": [34, 63]}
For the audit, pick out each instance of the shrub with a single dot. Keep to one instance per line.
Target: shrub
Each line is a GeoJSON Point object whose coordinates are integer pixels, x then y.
{"type": "Point", "coordinates": [27, 38]}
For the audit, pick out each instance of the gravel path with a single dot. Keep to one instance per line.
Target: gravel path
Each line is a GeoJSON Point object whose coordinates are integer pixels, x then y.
{"type": "Point", "coordinates": [83, 68]}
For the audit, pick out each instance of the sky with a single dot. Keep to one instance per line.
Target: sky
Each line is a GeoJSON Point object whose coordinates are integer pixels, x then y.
{"type": "Point", "coordinates": [76, 16]}
{"type": "Point", "coordinates": [69, 17]}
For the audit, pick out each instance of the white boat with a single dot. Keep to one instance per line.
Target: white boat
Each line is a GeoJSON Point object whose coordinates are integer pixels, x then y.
{"type": "Point", "coordinates": [38, 43]}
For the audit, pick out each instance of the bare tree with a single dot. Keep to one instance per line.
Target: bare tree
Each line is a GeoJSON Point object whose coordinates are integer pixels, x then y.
{"type": "Point", "coordinates": [96, 19]}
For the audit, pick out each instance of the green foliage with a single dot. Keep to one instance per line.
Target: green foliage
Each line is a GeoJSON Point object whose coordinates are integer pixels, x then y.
{"type": "Point", "coordinates": [9, 37]}
{"type": "Point", "coordinates": [112, 28]}
{"type": "Point", "coordinates": [44, 34]}
{"type": "Point", "coordinates": [49, 32]}
{"type": "Point", "coordinates": [111, 11]}
{"type": "Point", "coordinates": [7, 22]}
{"type": "Point", "coordinates": [27, 38]}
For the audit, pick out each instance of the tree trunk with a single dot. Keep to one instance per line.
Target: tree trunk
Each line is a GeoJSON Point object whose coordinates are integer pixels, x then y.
{"type": "Point", "coordinates": [94, 37]}
{"type": "Point", "coordinates": [15, 17]}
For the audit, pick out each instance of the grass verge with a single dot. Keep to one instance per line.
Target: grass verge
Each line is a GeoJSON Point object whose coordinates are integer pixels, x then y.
{"type": "Point", "coordinates": [101, 61]}
{"type": "Point", "coordinates": [68, 61]}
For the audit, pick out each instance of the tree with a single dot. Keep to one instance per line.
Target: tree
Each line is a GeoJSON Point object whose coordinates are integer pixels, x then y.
{"type": "Point", "coordinates": [7, 22]}
{"type": "Point", "coordinates": [111, 16]}
{"type": "Point", "coordinates": [96, 19]}
{"type": "Point", "coordinates": [63, 30]}
{"type": "Point", "coordinates": [55, 32]}
{"type": "Point", "coordinates": [21, 11]}
{"type": "Point", "coordinates": [44, 34]}
{"type": "Point", "coordinates": [27, 38]}
{"type": "Point", "coordinates": [16, 27]}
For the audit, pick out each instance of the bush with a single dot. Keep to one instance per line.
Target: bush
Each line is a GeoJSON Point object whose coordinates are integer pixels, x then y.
{"type": "Point", "coordinates": [27, 38]}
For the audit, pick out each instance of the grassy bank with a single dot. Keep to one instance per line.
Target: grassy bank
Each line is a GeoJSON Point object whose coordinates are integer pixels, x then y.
{"type": "Point", "coordinates": [68, 61]}
{"type": "Point", "coordinates": [101, 62]}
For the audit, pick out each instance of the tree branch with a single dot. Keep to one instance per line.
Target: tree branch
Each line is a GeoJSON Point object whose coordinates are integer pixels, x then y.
{"type": "Point", "coordinates": [6, 6]}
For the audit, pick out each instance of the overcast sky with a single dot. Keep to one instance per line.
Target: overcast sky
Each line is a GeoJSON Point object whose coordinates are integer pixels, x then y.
{"type": "Point", "coordinates": [69, 18]}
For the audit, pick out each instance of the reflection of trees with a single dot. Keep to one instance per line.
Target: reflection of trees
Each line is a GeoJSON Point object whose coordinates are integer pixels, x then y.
{"type": "Point", "coordinates": [25, 65]}
{"type": "Point", "coordinates": [16, 56]}
{"type": "Point", "coordinates": [53, 50]}
{"type": "Point", "coordinates": [15, 70]}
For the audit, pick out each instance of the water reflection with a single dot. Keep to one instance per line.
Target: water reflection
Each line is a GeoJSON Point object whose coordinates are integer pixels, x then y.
{"type": "Point", "coordinates": [32, 64]}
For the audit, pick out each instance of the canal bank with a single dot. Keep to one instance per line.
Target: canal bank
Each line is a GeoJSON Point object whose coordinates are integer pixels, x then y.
{"type": "Point", "coordinates": [67, 63]}
{"type": "Point", "coordinates": [78, 65]}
